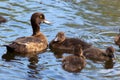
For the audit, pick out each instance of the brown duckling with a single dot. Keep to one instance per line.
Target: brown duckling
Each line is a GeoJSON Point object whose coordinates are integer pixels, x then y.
{"type": "Point", "coordinates": [97, 54]}
{"type": "Point", "coordinates": [32, 44]}
{"type": "Point", "coordinates": [75, 62]}
{"type": "Point", "coordinates": [2, 19]}
{"type": "Point", "coordinates": [117, 39]}
{"type": "Point", "coordinates": [67, 44]}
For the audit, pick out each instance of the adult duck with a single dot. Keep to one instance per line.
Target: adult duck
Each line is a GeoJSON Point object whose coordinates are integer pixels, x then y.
{"type": "Point", "coordinates": [117, 39]}
{"type": "Point", "coordinates": [32, 44]}
{"type": "Point", "coordinates": [97, 54]}
{"type": "Point", "coordinates": [63, 43]}
{"type": "Point", "coordinates": [75, 62]}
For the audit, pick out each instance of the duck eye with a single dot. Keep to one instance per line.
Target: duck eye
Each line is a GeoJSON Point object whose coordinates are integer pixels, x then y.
{"type": "Point", "coordinates": [40, 17]}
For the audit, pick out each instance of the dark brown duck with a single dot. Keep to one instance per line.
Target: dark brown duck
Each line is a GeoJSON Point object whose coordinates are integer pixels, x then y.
{"type": "Point", "coordinates": [75, 62]}
{"type": "Point", "coordinates": [64, 43]}
{"type": "Point", "coordinates": [32, 44]}
{"type": "Point", "coordinates": [117, 39]}
{"type": "Point", "coordinates": [97, 54]}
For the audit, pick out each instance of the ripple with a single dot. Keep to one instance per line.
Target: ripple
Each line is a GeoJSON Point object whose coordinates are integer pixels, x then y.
{"type": "Point", "coordinates": [96, 22]}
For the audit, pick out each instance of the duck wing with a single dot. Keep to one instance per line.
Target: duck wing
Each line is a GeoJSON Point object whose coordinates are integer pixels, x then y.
{"type": "Point", "coordinates": [27, 45]}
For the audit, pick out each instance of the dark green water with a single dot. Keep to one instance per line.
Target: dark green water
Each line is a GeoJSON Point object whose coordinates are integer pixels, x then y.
{"type": "Point", "coordinates": [95, 21]}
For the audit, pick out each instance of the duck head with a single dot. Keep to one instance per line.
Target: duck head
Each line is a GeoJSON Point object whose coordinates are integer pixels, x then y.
{"type": "Point", "coordinates": [36, 19]}
{"type": "Point", "coordinates": [110, 52]}
{"type": "Point", "coordinates": [39, 18]}
{"type": "Point", "coordinates": [60, 37]}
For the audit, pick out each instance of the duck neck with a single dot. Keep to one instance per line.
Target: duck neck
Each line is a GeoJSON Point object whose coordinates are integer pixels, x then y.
{"type": "Point", "coordinates": [35, 28]}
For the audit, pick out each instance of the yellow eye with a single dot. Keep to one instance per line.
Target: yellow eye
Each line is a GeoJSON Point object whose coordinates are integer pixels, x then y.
{"type": "Point", "coordinates": [41, 17]}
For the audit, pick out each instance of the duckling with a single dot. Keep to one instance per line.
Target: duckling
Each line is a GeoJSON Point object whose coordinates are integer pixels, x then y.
{"type": "Point", "coordinates": [2, 19]}
{"type": "Point", "coordinates": [61, 42]}
{"type": "Point", "coordinates": [97, 54]}
{"type": "Point", "coordinates": [75, 62]}
{"type": "Point", "coordinates": [117, 39]}
{"type": "Point", "coordinates": [35, 43]}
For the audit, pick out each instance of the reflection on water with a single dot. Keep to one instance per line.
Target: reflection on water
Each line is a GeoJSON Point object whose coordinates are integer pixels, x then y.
{"type": "Point", "coordinates": [109, 64]}
{"type": "Point", "coordinates": [95, 21]}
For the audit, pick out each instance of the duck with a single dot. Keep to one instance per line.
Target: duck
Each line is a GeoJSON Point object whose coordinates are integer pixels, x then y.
{"type": "Point", "coordinates": [35, 43]}
{"type": "Point", "coordinates": [75, 62]}
{"type": "Point", "coordinates": [66, 44]}
{"type": "Point", "coordinates": [96, 54]}
{"type": "Point", "coordinates": [2, 19]}
{"type": "Point", "coordinates": [117, 39]}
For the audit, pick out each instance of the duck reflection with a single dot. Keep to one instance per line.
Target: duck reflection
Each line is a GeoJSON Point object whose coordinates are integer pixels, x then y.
{"type": "Point", "coordinates": [33, 61]}
{"type": "Point", "coordinates": [33, 67]}
{"type": "Point", "coordinates": [59, 53]}
{"type": "Point", "coordinates": [8, 56]}
{"type": "Point", "coordinates": [109, 64]}
{"type": "Point", "coordinates": [11, 56]}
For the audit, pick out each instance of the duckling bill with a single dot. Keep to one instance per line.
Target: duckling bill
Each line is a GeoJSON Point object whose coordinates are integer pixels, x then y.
{"type": "Point", "coordinates": [31, 44]}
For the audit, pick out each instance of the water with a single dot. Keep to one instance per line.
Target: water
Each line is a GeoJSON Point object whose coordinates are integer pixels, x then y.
{"type": "Point", "coordinates": [95, 21]}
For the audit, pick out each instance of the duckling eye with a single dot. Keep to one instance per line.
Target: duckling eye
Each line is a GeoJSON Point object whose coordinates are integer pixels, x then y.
{"type": "Point", "coordinates": [40, 17]}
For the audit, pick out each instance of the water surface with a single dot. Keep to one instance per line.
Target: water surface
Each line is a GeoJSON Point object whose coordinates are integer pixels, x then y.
{"type": "Point", "coordinates": [95, 21]}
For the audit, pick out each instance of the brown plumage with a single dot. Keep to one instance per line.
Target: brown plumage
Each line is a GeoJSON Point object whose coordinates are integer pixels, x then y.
{"type": "Point", "coordinates": [75, 62]}
{"type": "Point", "coordinates": [67, 44]}
{"type": "Point", "coordinates": [97, 54]}
{"type": "Point", "coordinates": [32, 44]}
{"type": "Point", "coordinates": [117, 39]}
{"type": "Point", "coordinates": [2, 19]}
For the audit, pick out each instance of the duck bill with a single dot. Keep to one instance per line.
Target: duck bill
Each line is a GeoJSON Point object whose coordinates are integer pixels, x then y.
{"type": "Point", "coordinates": [113, 57]}
{"type": "Point", "coordinates": [56, 39]}
{"type": "Point", "coordinates": [46, 21]}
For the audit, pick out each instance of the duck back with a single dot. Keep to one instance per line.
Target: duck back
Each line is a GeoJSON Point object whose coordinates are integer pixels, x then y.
{"type": "Point", "coordinates": [69, 44]}
{"type": "Point", "coordinates": [73, 63]}
{"type": "Point", "coordinates": [96, 54]}
{"type": "Point", "coordinates": [32, 44]}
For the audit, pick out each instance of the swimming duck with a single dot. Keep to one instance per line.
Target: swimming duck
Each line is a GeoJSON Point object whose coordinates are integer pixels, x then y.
{"type": "Point", "coordinates": [2, 19]}
{"type": "Point", "coordinates": [97, 54]}
{"type": "Point", "coordinates": [75, 62]}
{"type": "Point", "coordinates": [61, 42]}
{"type": "Point", "coordinates": [117, 39]}
{"type": "Point", "coordinates": [32, 44]}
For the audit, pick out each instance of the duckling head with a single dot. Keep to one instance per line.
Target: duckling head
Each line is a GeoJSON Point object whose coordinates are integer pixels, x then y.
{"type": "Point", "coordinates": [110, 52]}
{"type": "Point", "coordinates": [60, 37]}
